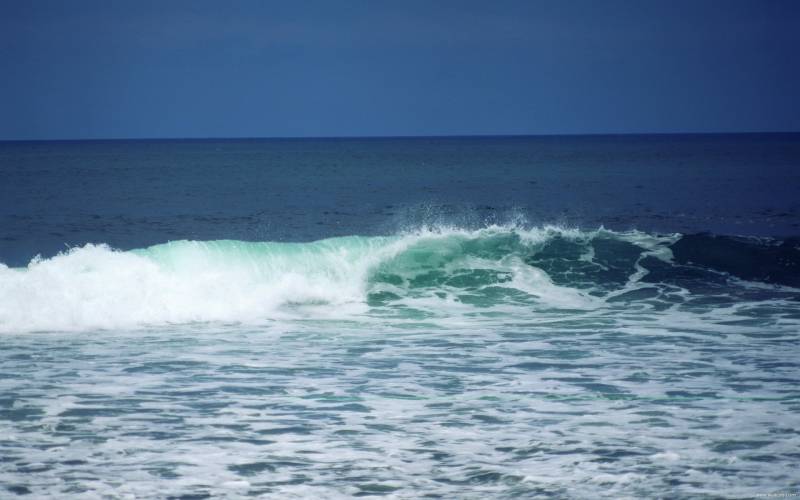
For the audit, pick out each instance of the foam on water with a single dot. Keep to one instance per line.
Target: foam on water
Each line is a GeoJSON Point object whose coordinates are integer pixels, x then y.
{"type": "Point", "coordinates": [501, 362]}
{"type": "Point", "coordinates": [584, 406]}
{"type": "Point", "coordinates": [95, 286]}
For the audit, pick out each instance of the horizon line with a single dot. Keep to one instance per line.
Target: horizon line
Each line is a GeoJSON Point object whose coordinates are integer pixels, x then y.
{"type": "Point", "coordinates": [402, 136]}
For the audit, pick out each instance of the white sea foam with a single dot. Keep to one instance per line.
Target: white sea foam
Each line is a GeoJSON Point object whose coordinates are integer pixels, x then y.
{"type": "Point", "coordinates": [97, 287]}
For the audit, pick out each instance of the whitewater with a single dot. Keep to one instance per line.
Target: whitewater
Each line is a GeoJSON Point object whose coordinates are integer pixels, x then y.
{"type": "Point", "coordinates": [502, 317]}
{"type": "Point", "coordinates": [504, 361]}
{"type": "Point", "coordinates": [435, 270]}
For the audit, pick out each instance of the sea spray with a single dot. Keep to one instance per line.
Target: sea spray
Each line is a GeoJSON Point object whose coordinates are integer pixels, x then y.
{"type": "Point", "coordinates": [429, 270]}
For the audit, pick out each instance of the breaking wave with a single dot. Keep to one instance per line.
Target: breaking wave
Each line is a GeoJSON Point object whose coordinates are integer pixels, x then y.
{"type": "Point", "coordinates": [429, 271]}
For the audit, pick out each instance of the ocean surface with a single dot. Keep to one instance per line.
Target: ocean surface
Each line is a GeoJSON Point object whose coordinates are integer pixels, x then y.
{"type": "Point", "coordinates": [477, 317]}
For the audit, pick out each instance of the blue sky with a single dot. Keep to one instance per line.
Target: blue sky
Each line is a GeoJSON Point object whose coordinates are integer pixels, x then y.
{"type": "Point", "coordinates": [138, 69]}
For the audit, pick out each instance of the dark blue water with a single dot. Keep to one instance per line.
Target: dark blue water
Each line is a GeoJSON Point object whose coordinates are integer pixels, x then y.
{"type": "Point", "coordinates": [569, 317]}
{"type": "Point", "coordinates": [132, 194]}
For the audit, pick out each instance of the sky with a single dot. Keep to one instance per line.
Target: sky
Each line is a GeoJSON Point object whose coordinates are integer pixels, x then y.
{"type": "Point", "coordinates": [88, 69]}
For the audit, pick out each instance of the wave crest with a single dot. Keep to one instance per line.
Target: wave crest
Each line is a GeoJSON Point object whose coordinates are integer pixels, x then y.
{"type": "Point", "coordinates": [96, 287]}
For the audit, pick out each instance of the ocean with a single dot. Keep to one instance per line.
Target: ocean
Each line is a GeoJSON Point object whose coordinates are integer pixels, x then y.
{"type": "Point", "coordinates": [456, 317]}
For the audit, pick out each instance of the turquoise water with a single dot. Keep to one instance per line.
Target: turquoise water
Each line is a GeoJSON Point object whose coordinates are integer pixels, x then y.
{"type": "Point", "coordinates": [502, 362]}
{"type": "Point", "coordinates": [183, 344]}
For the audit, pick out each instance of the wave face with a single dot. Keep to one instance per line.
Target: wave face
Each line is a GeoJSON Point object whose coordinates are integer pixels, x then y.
{"type": "Point", "coordinates": [432, 272]}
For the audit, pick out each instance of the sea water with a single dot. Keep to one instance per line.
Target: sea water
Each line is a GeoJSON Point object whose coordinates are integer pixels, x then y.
{"type": "Point", "coordinates": [434, 317]}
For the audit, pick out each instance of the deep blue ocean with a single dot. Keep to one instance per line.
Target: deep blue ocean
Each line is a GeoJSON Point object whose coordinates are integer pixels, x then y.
{"type": "Point", "coordinates": [476, 317]}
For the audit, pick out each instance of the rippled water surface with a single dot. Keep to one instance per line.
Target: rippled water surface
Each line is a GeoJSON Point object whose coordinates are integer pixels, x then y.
{"type": "Point", "coordinates": [583, 406]}
{"type": "Point", "coordinates": [651, 385]}
{"type": "Point", "coordinates": [612, 317]}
